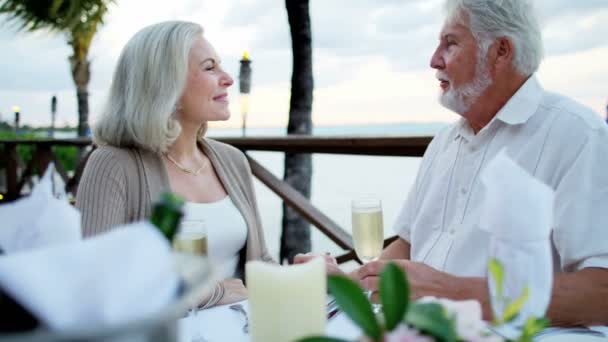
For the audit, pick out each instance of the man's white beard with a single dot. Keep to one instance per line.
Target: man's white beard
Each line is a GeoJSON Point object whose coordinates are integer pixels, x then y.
{"type": "Point", "coordinates": [460, 100]}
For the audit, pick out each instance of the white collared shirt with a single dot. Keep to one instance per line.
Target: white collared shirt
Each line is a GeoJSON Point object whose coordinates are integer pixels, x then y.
{"type": "Point", "coordinates": [560, 142]}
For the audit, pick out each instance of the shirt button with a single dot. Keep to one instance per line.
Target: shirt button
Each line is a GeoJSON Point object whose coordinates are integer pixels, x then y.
{"type": "Point", "coordinates": [463, 191]}
{"type": "Point", "coordinates": [452, 231]}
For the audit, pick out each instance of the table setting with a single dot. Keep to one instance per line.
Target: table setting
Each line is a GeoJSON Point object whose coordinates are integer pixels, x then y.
{"type": "Point", "coordinates": [105, 288]}
{"type": "Point", "coordinates": [221, 323]}
{"type": "Point", "coordinates": [290, 303]}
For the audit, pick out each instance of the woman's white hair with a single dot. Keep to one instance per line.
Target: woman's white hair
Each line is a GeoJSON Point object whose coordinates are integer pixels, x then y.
{"type": "Point", "coordinates": [514, 19]}
{"type": "Point", "coordinates": [148, 82]}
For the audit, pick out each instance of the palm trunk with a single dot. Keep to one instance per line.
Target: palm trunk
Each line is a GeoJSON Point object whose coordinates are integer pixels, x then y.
{"type": "Point", "coordinates": [81, 75]}
{"type": "Point", "coordinates": [83, 112]}
{"type": "Point", "coordinates": [295, 236]}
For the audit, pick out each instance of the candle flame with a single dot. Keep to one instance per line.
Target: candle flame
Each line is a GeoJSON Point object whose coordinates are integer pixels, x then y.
{"type": "Point", "coordinates": [16, 109]}
{"type": "Point", "coordinates": [245, 55]}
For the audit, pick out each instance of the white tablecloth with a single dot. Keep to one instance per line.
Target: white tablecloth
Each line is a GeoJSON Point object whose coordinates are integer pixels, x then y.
{"type": "Point", "coordinates": [222, 324]}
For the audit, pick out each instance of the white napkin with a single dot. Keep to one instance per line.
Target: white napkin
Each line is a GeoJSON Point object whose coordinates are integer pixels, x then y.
{"type": "Point", "coordinates": [38, 220]}
{"type": "Point", "coordinates": [518, 213]}
{"type": "Point", "coordinates": [126, 274]}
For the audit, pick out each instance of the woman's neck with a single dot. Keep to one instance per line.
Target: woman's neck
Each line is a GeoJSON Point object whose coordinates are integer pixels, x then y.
{"type": "Point", "coordinates": [185, 147]}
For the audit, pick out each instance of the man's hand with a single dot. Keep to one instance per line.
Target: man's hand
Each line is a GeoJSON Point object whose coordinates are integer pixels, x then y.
{"type": "Point", "coordinates": [331, 265]}
{"type": "Point", "coordinates": [424, 280]}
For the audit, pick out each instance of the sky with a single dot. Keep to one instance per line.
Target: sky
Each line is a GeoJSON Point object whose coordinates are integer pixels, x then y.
{"type": "Point", "coordinates": [370, 58]}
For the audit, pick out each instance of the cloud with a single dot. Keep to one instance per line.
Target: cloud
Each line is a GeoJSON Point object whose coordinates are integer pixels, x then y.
{"type": "Point", "coordinates": [358, 45]}
{"type": "Point", "coordinates": [24, 67]}
{"type": "Point", "coordinates": [549, 9]}
{"type": "Point", "coordinates": [377, 93]}
{"type": "Point", "coordinates": [403, 32]}
{"type": "Point", "coordinates": [581, 75]}
{"type": "Point", "coordinates": [249, 12]}
{"type": "Point", "coordinates": [571, 32]}
{"type": "Point", "coordinates": [366, 28]}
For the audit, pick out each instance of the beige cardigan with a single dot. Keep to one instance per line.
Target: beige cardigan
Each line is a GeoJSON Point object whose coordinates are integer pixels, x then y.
{"type": "Point", "coordinates": [119, 186]}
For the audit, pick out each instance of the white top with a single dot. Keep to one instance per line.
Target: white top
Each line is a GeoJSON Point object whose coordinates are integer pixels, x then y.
{"type": "Point", "coordinates": [560, 142]}
{"type": "Point", "coordinates": [226, 232]}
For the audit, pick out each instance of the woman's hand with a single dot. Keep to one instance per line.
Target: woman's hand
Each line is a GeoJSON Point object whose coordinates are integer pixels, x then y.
{"type": "Point", "coordinates": [331, 264]}
{"type": "Point", "coordinates": [234, 291]}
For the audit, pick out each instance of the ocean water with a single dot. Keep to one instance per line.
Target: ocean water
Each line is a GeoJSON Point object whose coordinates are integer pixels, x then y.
{"type": "Point", "coordinates": [337, 179]}
{"type": "Point", "coordinates": [395, 129]}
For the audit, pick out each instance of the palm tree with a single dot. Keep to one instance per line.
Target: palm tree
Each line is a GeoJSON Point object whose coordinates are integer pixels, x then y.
{"type": "Point", "coordinates": [79, 21]}
{"type": "Point", "coordinates": [295, 236]}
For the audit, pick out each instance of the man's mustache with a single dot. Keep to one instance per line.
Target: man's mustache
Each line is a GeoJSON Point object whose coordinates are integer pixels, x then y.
{"type": "Point", "coordinates": [440, 75]}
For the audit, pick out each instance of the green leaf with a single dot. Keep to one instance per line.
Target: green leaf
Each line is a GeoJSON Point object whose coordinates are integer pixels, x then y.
{"type": "Point", "coordinates": [354, 303]}
{"type": "Point", "coordinates": [497, 271]}
{"type": "Point", "coordinates": [54, 9]}
{"type": "Point", "coordinates": [514, 307]}
{"type": "Point", "coordinates": [532, 327]}
{"type": "Point", "coordinates": [431, 319]}
{"type": "Point", "coordinates": [320, 339]}
{"type": "Point", "coordinates": [394, 293]}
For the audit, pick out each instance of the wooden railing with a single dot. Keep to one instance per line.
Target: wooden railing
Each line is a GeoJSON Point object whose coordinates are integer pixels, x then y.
{"type": "Point", "coordinates": [19, 172]}
{"type": "Point", "coordinates": [413, 146]}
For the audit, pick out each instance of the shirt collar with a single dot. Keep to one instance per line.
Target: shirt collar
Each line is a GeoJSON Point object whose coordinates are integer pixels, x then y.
{"type": "Point", "coordinates": [463, 130]}
{"type": "Point", "coordinates": [523, 104]}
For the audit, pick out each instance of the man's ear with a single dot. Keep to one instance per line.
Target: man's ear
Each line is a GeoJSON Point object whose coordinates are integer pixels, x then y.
{"type": "Point", "coordinates": [503, 53]}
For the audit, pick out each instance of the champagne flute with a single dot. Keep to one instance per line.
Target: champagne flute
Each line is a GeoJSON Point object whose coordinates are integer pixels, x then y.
{"type": "Point", "coordinates": [191, 238]}
{"type": "Point", "coordinates": [368, 232]}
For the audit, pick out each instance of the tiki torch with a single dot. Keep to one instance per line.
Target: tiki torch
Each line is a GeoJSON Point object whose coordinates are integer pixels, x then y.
{"type": "Point", "coordinates": [245, 87]}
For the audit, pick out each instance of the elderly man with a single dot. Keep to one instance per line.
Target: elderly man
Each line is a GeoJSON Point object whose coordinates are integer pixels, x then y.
{"type": "Point", "coordinates": [486, 58]}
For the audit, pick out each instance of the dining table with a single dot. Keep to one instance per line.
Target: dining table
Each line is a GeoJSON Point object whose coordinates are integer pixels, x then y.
{"type": "Point", "coordinates": [220, 323]}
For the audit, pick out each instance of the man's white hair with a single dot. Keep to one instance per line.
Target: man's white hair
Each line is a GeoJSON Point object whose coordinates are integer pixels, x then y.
{"type": "Point", "coordinates": [148, 82]}
{"type": "Point", "coordinates": [514, 19]}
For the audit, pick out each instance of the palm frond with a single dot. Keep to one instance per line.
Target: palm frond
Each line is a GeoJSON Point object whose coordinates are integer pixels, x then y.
{"type": "Point", "coordinates": [56, 15]}
{"type": "Point", "coordinates": [81, 34]}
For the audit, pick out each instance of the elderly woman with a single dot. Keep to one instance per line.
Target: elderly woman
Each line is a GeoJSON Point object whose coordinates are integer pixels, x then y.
{"type": "Point", "coordinates": [167, 85]}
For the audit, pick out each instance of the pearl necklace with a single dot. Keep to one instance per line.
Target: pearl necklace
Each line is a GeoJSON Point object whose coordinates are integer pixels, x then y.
{"type": "Point", "coordinates": [184, 169]}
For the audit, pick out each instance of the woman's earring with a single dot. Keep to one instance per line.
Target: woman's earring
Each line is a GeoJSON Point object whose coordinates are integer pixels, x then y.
{"type": "Point", "coordinates": [178, 108]}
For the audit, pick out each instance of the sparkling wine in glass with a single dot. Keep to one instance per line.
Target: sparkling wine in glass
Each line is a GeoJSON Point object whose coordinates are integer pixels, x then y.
{"type": "Point", "coordinates": [192, 238]}
{"type": "Point", "coordinates": [368, 231]}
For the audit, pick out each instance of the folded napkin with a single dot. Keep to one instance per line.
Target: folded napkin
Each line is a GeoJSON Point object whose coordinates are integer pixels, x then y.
{"type": "Point", "coordinates": [41, 219]}
{"type": "Point", "coordinates": [518, 213]}
{"type": "Point", "coordinates": [123, 275]}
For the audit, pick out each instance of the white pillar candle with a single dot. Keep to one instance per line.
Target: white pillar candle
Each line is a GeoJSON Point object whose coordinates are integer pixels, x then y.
{"type": "Point", "coordinates": [286, 302]}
